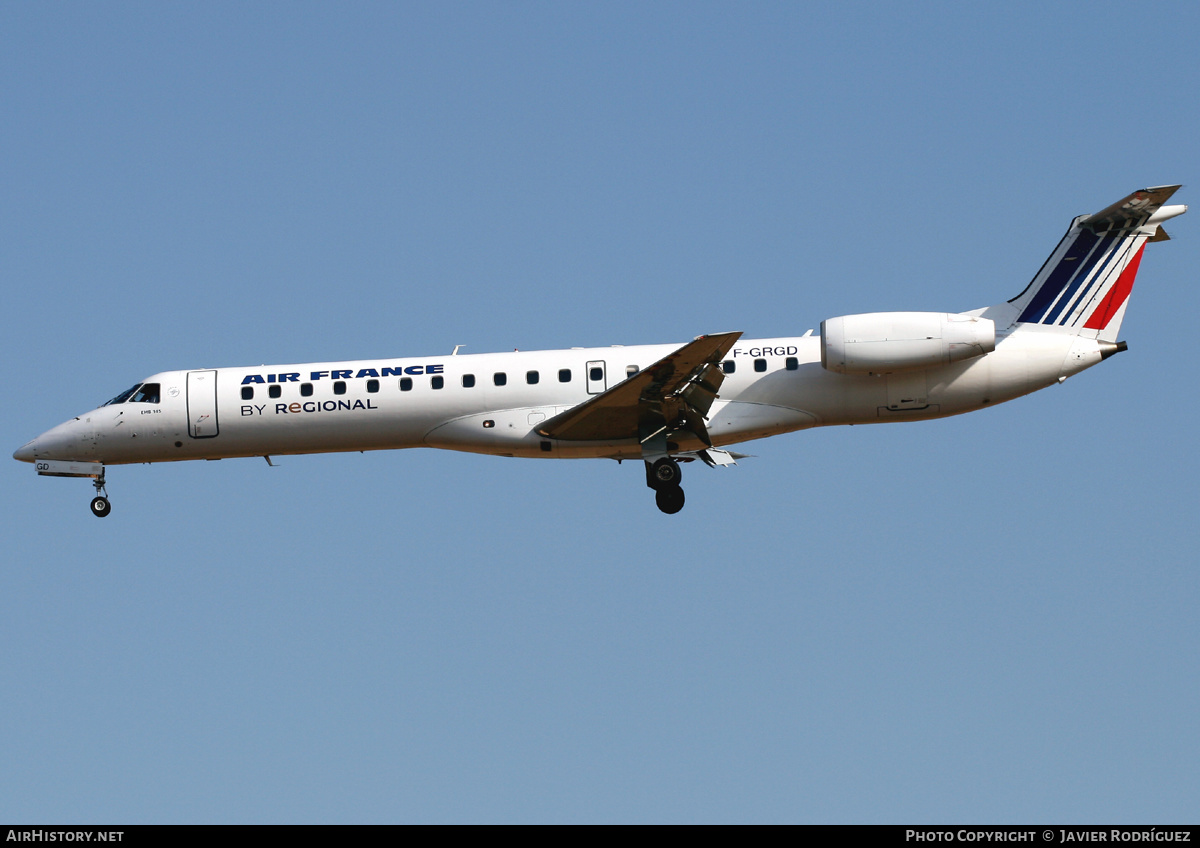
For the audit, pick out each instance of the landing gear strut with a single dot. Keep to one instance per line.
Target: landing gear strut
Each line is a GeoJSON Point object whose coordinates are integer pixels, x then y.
{"type": "Point", "coordinates": [100, 505]}
{"type": "Point", "coordinates": [663, 477]}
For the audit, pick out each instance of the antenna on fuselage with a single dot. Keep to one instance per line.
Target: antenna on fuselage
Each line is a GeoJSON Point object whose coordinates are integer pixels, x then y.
{"type": "Point", "coordinates": [455, 351]}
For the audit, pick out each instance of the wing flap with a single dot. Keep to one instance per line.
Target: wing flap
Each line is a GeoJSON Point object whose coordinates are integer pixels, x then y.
{"type": "Point", "coordinates": [702, 386]}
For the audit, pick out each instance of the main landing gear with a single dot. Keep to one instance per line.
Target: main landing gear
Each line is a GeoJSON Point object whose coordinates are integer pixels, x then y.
{"type": "Point", "coordinates": [663, 477]}
{"type": "Point", "coordinates": [100, 505]}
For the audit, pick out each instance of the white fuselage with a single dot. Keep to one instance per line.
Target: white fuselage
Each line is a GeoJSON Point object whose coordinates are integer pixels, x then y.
{"type": "Point", "coordinates": [663, 404]}
{"type": "Point", "coordinates": [775, 386]}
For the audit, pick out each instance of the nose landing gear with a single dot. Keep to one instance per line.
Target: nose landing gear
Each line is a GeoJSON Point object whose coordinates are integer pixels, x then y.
{"type": "Point", "coordinates": [100, 505]}
{"type": "Point", "coordinates": [663, 477]}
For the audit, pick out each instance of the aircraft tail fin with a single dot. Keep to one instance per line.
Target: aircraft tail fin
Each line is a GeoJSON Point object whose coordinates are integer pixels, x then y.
{"type": "Point", "coordinates": [1084, 286]}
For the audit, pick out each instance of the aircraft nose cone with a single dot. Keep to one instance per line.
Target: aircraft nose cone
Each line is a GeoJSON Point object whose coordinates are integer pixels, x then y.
{"type": "Point", "coordinates": [68, 441]}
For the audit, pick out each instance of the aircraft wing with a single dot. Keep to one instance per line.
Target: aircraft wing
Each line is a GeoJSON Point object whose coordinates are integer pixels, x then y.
{"type": "Point", "coordinates": [673, 394]}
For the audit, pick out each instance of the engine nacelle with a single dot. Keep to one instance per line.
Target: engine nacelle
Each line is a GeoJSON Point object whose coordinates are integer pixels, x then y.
{"type": "Point", "coordinates": [887, 342]}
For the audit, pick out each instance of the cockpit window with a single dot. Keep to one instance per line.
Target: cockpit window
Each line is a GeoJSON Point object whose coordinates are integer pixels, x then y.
{"type": "Point", "coordinates": [125, 395]}
{"type": "Point", "coordinates": [148, 393]}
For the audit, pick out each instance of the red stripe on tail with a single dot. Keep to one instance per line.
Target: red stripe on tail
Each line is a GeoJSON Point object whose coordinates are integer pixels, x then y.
{"type": "Point", "coordinates": [1116, 295]}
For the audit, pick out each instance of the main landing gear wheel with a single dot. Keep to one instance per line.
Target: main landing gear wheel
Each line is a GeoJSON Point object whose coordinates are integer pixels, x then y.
{"type": "Point", "coordinates": [663, 477]}
{"type": "Point", "coordinates": [669, 499]}
{"type": "Point", "coordinates": [665, 473]}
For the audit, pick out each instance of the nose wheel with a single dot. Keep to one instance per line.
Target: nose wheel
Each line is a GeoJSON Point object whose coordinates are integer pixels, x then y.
{"type": "Point", "coordinates": [663, 477]}
{"type": "Point", "coordinates": [100, 505]}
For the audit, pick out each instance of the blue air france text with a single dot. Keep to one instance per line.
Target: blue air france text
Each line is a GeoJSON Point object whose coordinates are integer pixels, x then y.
{"type": "Point", "coordinates": [345, 374]}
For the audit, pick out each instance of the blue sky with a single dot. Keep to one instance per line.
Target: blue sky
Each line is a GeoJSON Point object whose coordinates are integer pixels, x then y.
{"type": "Point", "coordinates": [982, 619]}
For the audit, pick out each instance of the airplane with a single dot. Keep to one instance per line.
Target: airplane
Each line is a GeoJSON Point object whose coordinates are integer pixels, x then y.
{"type": "Point", "coordinates": [664, 404]}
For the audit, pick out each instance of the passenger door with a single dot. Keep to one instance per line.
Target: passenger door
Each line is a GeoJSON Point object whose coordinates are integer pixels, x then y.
{"type": "Point", "coordinates": [202, 404]}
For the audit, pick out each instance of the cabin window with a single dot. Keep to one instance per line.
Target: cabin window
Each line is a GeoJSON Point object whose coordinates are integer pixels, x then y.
{"type": "Point", "coordinates": [728, 366]}
{"type": "Point", "coordinates": [339, 388]}
{"type": "Point", "coordinates": [406, 384]}
{"type": "Point", "coordinates": [247, 392]}
{"type": "Point", "coordinates": [760, 365]}
{"type": "Point", "coordinates": [372, 386]}
{"type": "Point", "coordinates": [596, 375]}
{"type": "Point", "coordinates": [437, 382]}
{"type": "Point", "coordinates": [630, 370]}
{"type": "Point", "coordinates": [564, 375]}
{"type": "Point", "coordinates": [468, 381]}
{"type": "Point", "coordinates": [274, 391]}
{"type": "Point", "coordinates": [306, 390]}
{"type": "Point", "coordinates": [500, 378]}
{"type": "Point", "coordinates": [792, 363]}
{"type": "Point", "coordinates": [532, 377]}
{"type": "Point", "coordinates": [148, 393]}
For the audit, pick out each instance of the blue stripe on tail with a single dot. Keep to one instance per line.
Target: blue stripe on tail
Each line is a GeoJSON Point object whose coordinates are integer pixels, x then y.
{"type": "Point", "coordinates": [1060, 277]}
{"type": "Point", "coordinates": [1104, 250]}
{"type": "Point", "coordinates": [1117, 258]}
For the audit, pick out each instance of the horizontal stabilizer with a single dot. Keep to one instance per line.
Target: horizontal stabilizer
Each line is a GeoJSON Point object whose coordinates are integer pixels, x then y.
{"type": "Point", "coordinates": [1133, 211]}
